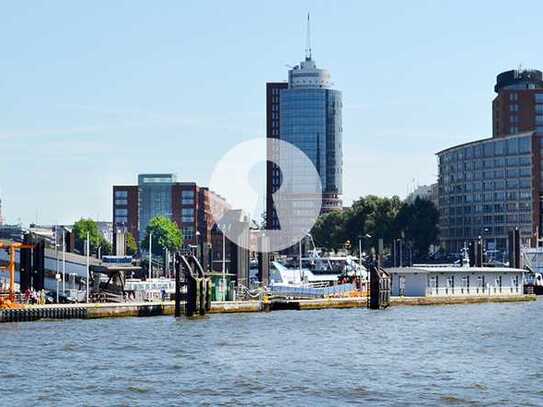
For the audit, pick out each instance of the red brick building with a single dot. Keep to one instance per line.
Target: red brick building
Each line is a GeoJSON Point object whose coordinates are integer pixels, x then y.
{"type": "Point", "coordinates": [190, 206]}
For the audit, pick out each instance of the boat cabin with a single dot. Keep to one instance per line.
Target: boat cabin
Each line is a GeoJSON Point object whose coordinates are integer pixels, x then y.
{"type": "Point", "coordinates": [427, 281]}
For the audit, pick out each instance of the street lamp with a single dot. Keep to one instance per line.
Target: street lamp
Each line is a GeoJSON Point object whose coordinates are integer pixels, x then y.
{"type": "Point", "coordinates": [482, 244]}
{"type": "Point", "coordinates": [150, 254]}
{"type": "Point", "coordinates": [360, 237]}
{"type": "Point", "coordinates": [88, 264]}
{"type": "Point", "coordinates": [63, 260]}
{"type": "Point", "coordinates": [199, 249]}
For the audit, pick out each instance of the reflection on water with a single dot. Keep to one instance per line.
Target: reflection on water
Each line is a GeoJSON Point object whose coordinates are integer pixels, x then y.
{"type": "Point", "coordinates": [453, 355]}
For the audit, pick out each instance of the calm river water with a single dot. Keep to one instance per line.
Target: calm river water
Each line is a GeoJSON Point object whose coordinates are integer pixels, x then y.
{"type": "Point", "coordinates": [451, 355]}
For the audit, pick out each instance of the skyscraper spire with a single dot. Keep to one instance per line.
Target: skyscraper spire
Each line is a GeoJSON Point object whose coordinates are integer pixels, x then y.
{"type": "Point", "coordinates": [308, 39]}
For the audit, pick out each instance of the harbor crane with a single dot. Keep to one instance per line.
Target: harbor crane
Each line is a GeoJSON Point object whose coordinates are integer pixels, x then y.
{"type": "Point", "coordinates": [12, 250]}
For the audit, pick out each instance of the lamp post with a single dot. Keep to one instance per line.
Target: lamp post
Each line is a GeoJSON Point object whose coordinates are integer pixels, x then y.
{"type": "Point", "coordinates": [198, 248]}
{"type": "Point", "coordinates": [300, 260]}
{"type": "Point", "coordinates": [57, 275]}
{"type": "Point", "coordinates": [63, 260]}
{"type": "Point", "coordinates": [57, 278]}
{"type": "Point", "coordinates": [166, 263]}
{"type": "Point", "coordinates": [88, 263]}
{"type": "Point", "coordinates": [482, 245]}
{"type": "Point", "coordinates": [223, 266]}
{"type": "Point", "coordinates": [150, 255]}
{"type": "Point", "coordinates": [360, 237]}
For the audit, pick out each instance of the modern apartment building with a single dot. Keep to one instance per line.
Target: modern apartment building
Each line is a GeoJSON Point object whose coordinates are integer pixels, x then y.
{"type": "Point", "coordinates": [491, 186]}
{"type": "Point", "coordinates": [306, 112]}
{"type": "Point", "coordinates": [488, 187]}
{"type": "Point", "coordinates": [190, 206]}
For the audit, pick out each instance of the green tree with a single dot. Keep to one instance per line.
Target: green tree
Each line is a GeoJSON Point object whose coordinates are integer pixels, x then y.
{"type": "Point", "coordinates": [166, 235]}
{"type": "Point", "coordinates": [418, 221]}
{"type": "Point", "coordinates": [374, 216]}
{"type": "Point", "coordinates": [131, 245]}
{"type": "Point", "coordinates": [105, 247]}
{"type": "Point", "coordinates": [80, 230]}
{"type": "Point", "coordinates": [329, 231]}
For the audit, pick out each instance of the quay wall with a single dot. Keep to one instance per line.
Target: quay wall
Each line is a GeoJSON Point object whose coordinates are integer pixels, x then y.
{"type": "Point", "coordinates": [144, 309]}
{"type": "Point", "coordinates": [453, 300]}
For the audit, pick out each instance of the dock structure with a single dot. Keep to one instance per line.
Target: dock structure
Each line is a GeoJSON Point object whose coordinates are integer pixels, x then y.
{"type": "Point", "coordinates": [146, 309]}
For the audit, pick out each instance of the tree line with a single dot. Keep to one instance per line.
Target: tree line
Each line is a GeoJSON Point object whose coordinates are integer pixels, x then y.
{"type": "Point", "coordinates": [165, 235]}
{"type": "Point", "coordinates": [372, 218]}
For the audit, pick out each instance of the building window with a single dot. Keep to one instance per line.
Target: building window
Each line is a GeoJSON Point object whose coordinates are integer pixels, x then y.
{"type": "Point", "coordinates": [121, 202]}
{"type": "Point", "coordinates": [524, 145]}
{"type": "Point", "coordinates": [187, 215]}
{"type": "Point", "coordinates": [513, 108]}
{"type": "Point", "coordinates": [187, 197]}
{"type": "Point", "coordinates": [525, 195]}
{"type": "Point", "coordinates": [188, 233]}
{"type": "Point", "coordinates": [539, 97]}
{"type": "Point", "coordinates": [121, 219]}
{"type": "Point", "coordinates": [121, 194]}
{"type": "Point", "coordinates": [513, 96]}
{"type": "Point", "coordinates": [121, 212]}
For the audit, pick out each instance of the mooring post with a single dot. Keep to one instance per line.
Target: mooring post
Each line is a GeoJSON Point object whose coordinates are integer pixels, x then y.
{"type": "Point", "coordinates": [177, 285]}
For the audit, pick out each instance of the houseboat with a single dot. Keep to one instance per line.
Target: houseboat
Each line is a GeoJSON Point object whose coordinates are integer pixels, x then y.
{"type": "Point", "coordinates": [456, 280]}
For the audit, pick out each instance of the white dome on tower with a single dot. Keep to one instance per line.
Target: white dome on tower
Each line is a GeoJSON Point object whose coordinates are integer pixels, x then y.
{"type": "Point", "coordinates": [307, 75]}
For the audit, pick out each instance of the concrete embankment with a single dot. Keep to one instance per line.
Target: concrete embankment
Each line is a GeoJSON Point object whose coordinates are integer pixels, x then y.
{"type": "Point", "coordinates": [113, 310]}
{"type": "Point", "coordinates": [460, 300]}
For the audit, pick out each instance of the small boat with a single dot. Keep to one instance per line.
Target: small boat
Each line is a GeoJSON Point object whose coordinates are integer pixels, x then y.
{"type": "Point", "coordinates": [534, 283]}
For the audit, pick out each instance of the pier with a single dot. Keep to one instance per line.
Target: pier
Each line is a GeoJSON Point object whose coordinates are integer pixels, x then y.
{"type": "Point", "coordinates": [147, 309]}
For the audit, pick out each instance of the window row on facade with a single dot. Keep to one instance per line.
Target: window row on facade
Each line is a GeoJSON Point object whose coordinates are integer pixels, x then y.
{"type": "Point", "coordinates": [510, 146]}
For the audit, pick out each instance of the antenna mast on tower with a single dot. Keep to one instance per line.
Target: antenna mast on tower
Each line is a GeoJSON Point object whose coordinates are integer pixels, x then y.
{"type": "Point", "coordinates": [308, 39]}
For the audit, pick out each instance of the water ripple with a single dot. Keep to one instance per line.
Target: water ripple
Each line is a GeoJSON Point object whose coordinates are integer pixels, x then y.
{"type": "Point", "coordinates": [412, 356]}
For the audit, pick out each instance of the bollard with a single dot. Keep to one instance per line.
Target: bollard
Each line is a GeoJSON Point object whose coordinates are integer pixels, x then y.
{"type": "Point", "coordinates": [209, 291]}
{"type": "Point", "coordinates": [203, 292]}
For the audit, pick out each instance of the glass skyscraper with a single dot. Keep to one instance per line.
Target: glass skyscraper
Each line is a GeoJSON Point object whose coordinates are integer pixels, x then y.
{"type": "Point", "coordinates": [306, 112]}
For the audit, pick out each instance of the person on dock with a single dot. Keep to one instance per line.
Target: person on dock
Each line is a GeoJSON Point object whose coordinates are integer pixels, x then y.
{"type": "Point", "coordinates": [27, 296]}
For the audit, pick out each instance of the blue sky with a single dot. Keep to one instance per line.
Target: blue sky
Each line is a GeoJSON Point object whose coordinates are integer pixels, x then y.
{"type": "Point", "coordinates": [93, 93]}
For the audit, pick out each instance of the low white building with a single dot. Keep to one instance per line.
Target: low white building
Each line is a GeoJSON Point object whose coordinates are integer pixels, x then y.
{"type": "Point", "coordinates": [460, 281]}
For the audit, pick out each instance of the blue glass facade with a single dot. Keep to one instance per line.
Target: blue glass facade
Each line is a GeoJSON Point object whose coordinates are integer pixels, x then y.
{"type": "Point", "coordinates": [311, 120]}
{"type": "Point", "coordinates": [155, 199]}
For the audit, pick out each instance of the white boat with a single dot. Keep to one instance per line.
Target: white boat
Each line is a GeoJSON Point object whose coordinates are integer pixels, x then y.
{"type": "Point", "coordinates": [150, 289]}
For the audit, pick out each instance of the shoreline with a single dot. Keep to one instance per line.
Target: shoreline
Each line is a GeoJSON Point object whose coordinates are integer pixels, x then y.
{"type": "Point", "coordinates": [146, 309]}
